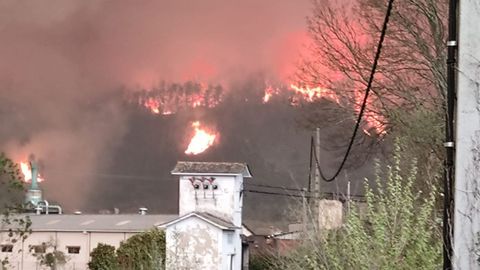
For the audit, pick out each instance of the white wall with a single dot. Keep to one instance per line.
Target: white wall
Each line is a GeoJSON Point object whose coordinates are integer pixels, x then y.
{"type": "Point", "coordinates": [193, 244]}
{"type": "Point", "coordinates": [86, 241]}
{"type": "Point", "coordinates": [223, 202]}
{"type": "Point", "coordinates": [467, 172]}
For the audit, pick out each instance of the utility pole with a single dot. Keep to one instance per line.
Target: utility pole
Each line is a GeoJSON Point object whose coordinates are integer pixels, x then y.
{"type": "Point", "coordinates": [466, 226]}
{"type": "Point", "coordinates": [449, 144]}
{"type": "Point", "coordinates": [305, 210]}
{"type": "Point", "coordinates": [316, 204]}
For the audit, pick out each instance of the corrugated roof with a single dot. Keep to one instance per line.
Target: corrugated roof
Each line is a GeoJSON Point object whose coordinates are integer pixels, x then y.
{"type": "Point", "coordinates": [188, 167]}
{"type": "Point", "coordinates": [99, 223]}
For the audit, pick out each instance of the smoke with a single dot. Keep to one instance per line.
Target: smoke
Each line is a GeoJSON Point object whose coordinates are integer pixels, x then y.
{"type": "Point", "coordinates": [64, 67]}
{"type": "Point", "coordinates": [139, 44]}
{"type": "Point", "coordinates": [68, 67]}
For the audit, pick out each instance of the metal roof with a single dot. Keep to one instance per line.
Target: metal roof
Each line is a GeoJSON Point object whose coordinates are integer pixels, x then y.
{"type": "Point", "coordinates": [96, 223]}
{"type": "Point", "coordinates": [211, 168]}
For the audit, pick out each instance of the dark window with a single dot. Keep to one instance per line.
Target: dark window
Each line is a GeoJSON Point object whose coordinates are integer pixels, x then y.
{"type": "Point", "coordinates": [7, 248]}
{"type": "Point", "coordinates": [73, 250]}
{"type": "Point", "coordinates": [40, 249]}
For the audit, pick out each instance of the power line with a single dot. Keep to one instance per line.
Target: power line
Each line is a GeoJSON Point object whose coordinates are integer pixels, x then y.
{"type": "Point", "coordinates": [357, 197]}
{"type": "Point", "coordinates": [364, 103]}
{"type": "Point", "coordinates": [104, 175]}
{"type": "Point", "coordinates": [298, 190]}
{"type": "Point", "coordinates": [275, 187]}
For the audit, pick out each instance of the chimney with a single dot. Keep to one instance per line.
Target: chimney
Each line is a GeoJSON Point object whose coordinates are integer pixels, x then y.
{"type": "Point", "coordinates": [142, 211]}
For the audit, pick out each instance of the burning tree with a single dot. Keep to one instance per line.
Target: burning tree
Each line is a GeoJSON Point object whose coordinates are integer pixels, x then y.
{"type": "Point", "coordinates": [169, 98]}
{"type": "Point", "coordinates": [410, 84]}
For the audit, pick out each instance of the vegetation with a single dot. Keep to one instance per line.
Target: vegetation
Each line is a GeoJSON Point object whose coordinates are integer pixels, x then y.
{"type": "Point", "coordinates": [51, 258]}
{"type": "Point", "coordinates": [408, 94]}
{"type": "Point", "coordinates": [103, 257]}
{"type": "Point", "coordinates": [397, 229]}
{"type": "Point", "coordinates": [11, 185]}
{"type": "Point", "coordinates": [11, 203]}
{"type": "Point", "coordinates": [142, 251]}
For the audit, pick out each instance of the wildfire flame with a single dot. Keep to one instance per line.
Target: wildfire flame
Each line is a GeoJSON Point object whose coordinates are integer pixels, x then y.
{"type": "Point", "coordinates": [170, 98]}
{"type": "Point", "coordinates": [201, 140]}
{"type": "Point", "coordinates": [27, 173]}
{"type": "Point", "coordinates": [310, 94]}
{"type": "Point", "coordinates": [269, 93]}
{"type": "Point", "coordinates": [153, 105]}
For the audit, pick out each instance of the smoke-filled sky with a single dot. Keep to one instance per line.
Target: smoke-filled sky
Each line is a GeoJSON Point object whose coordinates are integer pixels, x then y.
{"type": "Point", "coordinates": [109, 42]}
{"type": "Point", "coordinates": [66, 65]}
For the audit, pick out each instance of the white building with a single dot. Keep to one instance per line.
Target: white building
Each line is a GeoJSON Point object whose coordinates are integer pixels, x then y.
{"type": "Point", "coordinates": [75, 235]}
{"type": "Point", "coordinates": [208, 233]}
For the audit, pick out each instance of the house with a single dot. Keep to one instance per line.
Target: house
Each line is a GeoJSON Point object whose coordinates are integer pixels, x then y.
{"type": "Point", "coordinates": [208, 234]}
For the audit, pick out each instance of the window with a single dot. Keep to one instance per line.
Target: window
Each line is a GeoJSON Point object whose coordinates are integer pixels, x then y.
{"type": "Point", "coordinates": [7, 248]}
{"type": "Point", "coordinates": [38, 249]}
{"type": "Point", "coordinates": [73, 249]}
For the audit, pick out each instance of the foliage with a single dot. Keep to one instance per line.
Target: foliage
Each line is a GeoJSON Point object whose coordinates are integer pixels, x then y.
{"type": "Point", "coordinates": [261, 262]}
{"type": "Point", "coordinates": [143, 251]}
{"type": "Point", "coordinates": [11, 203]}
{"type": "Point", "coordinates": [397, 229]}
{"type": "Point", "coordinates": [11, 184]}
{"type": "Point", "coordinates": [52, 257]}
{"type": "Point", "coordinates": [103, 257]}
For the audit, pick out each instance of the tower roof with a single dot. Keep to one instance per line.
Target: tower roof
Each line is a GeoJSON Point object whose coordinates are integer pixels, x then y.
{"type": "Point", "coordinates": [211, 168]}
{"type": "Point", "coordinates": [207, 217]}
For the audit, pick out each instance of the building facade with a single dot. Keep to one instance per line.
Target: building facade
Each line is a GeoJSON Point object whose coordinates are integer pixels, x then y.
{"type": "Point", "coordinates": [74, 235]}
{"type": "Point", "coordinates": [208, 234]}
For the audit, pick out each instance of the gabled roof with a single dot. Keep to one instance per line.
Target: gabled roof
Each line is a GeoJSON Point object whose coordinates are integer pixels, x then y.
{"type": "Point", "coordinates": [207, 217]}
{"type": "Point", "coordinates": [211, 168]}
{"type": "Point", "coordinates": [94, 223]}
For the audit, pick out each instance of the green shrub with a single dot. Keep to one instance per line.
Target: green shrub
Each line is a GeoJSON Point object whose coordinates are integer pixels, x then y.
{"type": "Point", "coordinates": [144, 251]}
{"type": "Point", "coordinates": [103, 257]}
{"type": "Point", "coordinates": [397, 230]}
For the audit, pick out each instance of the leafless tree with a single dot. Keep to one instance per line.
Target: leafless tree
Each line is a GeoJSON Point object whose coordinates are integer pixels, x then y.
{"type": "Point", "coordinates": [408, 94]}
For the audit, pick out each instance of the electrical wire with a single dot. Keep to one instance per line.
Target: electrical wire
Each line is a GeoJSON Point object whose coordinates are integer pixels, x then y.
{"type": "Point", "coordinates": [352, 197]}
{"type": "Point", "coordinates": [300, 190]}
{"type": "Point", "coordinates": [275, 187]}
{"type": "Point", "coordinates": [364, 103]}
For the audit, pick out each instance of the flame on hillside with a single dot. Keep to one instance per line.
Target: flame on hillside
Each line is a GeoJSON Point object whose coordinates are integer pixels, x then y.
{"type": "Point", "coordinates": [202, 139]}
{"type": "Point", "coordinates": [311, 94]}
{"type": "Point", "coordinates": [27, 172]}
{"type": "Point", "coordinates": [373, 119]}
{"type": "Point", "coordinates": [166, 99]}
{"type": "Point", "coordinates": [270, 91]}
